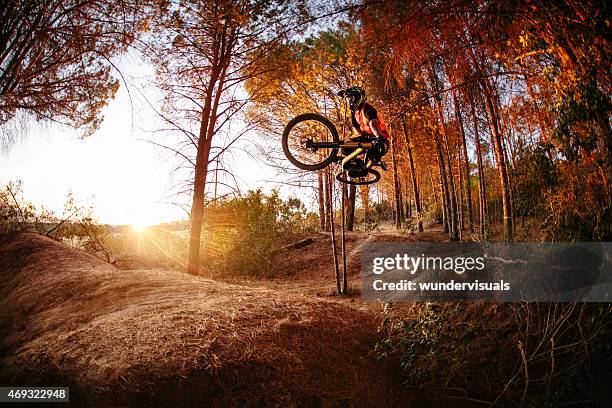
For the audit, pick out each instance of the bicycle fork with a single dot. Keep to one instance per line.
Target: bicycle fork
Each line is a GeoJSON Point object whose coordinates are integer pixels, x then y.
{"type": "Point", "coordinates": [350, 157]}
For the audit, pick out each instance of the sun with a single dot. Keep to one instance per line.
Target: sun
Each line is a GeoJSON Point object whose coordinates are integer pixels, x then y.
{"type": "Point", "coordinates": [142, 221]}
{"type": "Point", "coordinates": [140, 226]}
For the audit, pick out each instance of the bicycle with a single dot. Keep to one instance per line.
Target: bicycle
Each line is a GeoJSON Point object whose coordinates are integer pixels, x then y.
{"type": "Point", "coordinates": [311, 142]}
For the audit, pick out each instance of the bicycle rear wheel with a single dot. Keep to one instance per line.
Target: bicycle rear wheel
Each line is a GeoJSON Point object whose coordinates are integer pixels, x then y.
{"type": "Point", "coordinates": [314, 128]}
{"type": "Point", "coordinates": [370, 176]}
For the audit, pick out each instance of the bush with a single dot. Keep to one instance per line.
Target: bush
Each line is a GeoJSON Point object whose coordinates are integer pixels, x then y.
{"type": "Point", "coordinates": [569, 197]}
{"type": "Point", "coordinates": [75, 227]}
{"type": "Point", "coordinates": [575, 211]}
{"type": "Point", "coordinates": [413, 341]}
{"type": "Point", "coordinates": [382, 211]}
{"type": "Point", "coordinates": [561, 350]}
{"type": "Point", "coordinates": [19, 215]}
{"type": "Point", "coordinates": [239, 234]}
{"type": "Point", "coordinates": [533, 174]}
{"type": "Point", "coordinates": [432, 213]}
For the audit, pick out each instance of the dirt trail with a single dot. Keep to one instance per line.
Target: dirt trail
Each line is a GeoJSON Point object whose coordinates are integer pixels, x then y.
{"type": "Point", "coordinates": [310, 271]}
{"type": "Point", "coordinates": [136, 338]}
{"type": "Point", "coordinates": [141, 338]}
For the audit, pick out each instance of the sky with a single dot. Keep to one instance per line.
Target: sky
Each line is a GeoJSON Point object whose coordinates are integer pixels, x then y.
{"type": "Point", "coordinates": [127, 179]}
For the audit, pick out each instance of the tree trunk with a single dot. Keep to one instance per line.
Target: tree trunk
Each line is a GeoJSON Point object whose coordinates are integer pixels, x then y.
{"type": "Point", "coordinates": [365, 202]}
{"type": "Point", "coordinates": [443, 186]}
{"type": "Point", "coordinates": [407, 196]}
{"type": "Point", "coordinates": [199, 182]}
{"type": "Point", "coordinates": [221, 49]}
{"type": "Point", "coordinates": [482, 192]}
{"type": "Point", "coordinates": [321, 196]}
{"type": "Point", "coordinates": [330, 206]}
{"type": "Point", "coordinates": [415, 186]}
{"type": "Point", "coordinates": [350, 213]}
{"type": "Point", "coordinates": [460, 203]}
{"type": "Point", "coordinates": [343, 237]}
{"type": "Point", "coordinates": [396, 189]}
{"type": "Point", "coordinates": [467, 167]}
{"type": "Point", "coordinates": [450, 182]}
{"type": "Point", "coordinates": [501, 162]}
{"type": "Point", "coordinates": [326, 183]}
{"type": "Point", "coordinates": [409, 206]}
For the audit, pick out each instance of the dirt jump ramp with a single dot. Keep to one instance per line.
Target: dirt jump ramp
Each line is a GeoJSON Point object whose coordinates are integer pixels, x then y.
{"type": "Point", "coordinates": [161, 338]}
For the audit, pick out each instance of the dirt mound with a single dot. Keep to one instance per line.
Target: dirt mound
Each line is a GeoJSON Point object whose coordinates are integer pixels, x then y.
{"type": "Point", "coordinates": [159, 338]}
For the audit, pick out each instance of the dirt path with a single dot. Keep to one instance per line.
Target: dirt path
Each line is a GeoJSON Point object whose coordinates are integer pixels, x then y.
{"type": "Point", "coordinates": [310, 270]}
{"type": "Point", "coordinates": [159, 338]}
{"type": "Point", "coordinates": [143, 337]}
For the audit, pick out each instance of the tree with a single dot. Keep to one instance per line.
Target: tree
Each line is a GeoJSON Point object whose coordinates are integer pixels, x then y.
{"type": "Point", "coordinates": [55, 57]}
{"type": "Point", "coordinates": [413, 177]}
{"type": "Point", "coordinates": [203, 52]}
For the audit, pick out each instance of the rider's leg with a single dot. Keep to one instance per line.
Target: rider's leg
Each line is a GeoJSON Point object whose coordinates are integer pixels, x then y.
{"type": "Point", "coordinates": [376, 153]}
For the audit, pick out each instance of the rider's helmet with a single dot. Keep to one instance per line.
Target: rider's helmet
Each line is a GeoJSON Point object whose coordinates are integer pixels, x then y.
{"type": "Point", "coordinates": [355, 95]}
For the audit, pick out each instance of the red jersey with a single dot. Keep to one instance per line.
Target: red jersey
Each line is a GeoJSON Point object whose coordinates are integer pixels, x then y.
{"type": "Point", "coordinates": [361, 120]}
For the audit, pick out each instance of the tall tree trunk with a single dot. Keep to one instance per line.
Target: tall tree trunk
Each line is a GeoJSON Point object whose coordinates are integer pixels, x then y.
{"type": "Point", "coordinates": [321, 196]}
{"type": "Point", "coordinates": [460, 203]}
{"type": "Point", "coordinates": [197, 210]}
{"type": "Point", "coordinates": [482, 192]}
{"type": "Point", "coordinates": [326, 184]}
{"type": "Point", "coordinates": [343, 238]}
{"type": "Point", "coordinates": [467, 166]}
{"type": "Point", "coordinates": [443, 186]}
{"type": "Point", "coordinates": [221, 50]}
{"type": "Point", "coordinates": [330, 206]}
{"type": "Point", "coordinates": [415, 186]}
{"type": "Point", "coordinates": [199, 181]}
{"type": "Point", "coordinates": [350, 208]}
{"type": "Point", "coordinates": [500, 158]}
{"type": "Point", "coordinates": [432, 186]}
{"type": "Point", "coordinates": [407, 196]}
{"type": "Point", "coordinates": [365, 202]}
{"type": "Point", "coordinates": [396, 189]}
{"type": "Point", "coordinates": [452, 197]}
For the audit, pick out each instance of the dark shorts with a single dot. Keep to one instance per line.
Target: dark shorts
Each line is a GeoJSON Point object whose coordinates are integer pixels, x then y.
{"type": "Point", "coordinates": [376, 152]}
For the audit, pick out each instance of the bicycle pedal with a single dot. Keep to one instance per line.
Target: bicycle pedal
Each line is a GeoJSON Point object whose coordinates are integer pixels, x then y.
{"type": "Point", "coordinates": [383, 165]}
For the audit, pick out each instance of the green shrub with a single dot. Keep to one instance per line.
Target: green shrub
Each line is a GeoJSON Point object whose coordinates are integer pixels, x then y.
{"type": "Point", "coordinates": [533, 174]}
{"type": "Point", "coordinates": [413, 341]}
{"type": "Point", "coordinates": [239, 234]}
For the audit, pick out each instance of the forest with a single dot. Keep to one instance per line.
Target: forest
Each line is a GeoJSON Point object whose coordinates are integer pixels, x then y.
{"type": "Point", "coordinates": [498, 114]}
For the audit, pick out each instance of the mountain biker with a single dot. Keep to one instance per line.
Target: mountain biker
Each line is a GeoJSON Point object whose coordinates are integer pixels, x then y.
{"type": "Point", "coordinates": [367, 125]}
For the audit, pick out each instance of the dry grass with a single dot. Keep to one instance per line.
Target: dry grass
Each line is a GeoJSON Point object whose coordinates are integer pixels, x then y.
{"type": "Point", "coordinates": [150, 337]}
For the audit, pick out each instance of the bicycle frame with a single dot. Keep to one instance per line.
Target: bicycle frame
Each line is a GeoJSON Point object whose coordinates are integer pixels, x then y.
{"type": "Point", "coordinates": [336, 145]}
{"type": "Point", "coordinates": [359, 147]}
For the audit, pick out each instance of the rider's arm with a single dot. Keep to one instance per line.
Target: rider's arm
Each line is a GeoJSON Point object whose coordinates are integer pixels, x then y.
{"type": "Point", "coordinates": [374, 123]}
{"type": "Point", "coordinates": [356, 128]}
{"type": "Point", "coordinates": [375, 128]}
{"type": "Point", "coordinates": [358, 132]}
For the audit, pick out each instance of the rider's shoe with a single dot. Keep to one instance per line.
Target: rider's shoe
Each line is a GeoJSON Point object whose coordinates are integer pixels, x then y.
{"type": "Point", "coordinates": [383, 165]}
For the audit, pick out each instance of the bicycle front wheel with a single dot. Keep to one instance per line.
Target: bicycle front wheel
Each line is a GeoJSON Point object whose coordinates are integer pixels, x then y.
{"type": "Point", "coordinates": [313, 128]}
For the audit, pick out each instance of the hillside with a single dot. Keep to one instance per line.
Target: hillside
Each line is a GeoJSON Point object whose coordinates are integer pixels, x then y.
{"type": "Point", "coordinates": [147, 337]}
